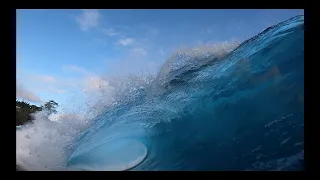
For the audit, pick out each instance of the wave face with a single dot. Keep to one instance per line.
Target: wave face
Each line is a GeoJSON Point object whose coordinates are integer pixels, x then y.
{"type": "Point", "coordinates": [240, 109]}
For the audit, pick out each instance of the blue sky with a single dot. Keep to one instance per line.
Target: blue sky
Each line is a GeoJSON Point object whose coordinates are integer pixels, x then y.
{"type": "Point", "coordinates": [62, 52]}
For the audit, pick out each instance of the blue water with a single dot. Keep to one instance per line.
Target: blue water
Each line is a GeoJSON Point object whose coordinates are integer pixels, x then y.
{"type": "Point", "coordinates": [242, 111]}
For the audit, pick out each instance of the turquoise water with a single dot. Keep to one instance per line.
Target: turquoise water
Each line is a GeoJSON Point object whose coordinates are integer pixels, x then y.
{"type": "Point", "coordinates": [243, 110]}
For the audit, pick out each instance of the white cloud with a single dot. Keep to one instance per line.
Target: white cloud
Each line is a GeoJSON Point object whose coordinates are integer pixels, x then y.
{"type": "Point", "coordinates": [25, 94]}
{"type": "Point", "coordinates": [139, 51]}
{"type": "Point", "coordinates": [126, 41]}
{"type": "Point", "coordinates": [88, 19]}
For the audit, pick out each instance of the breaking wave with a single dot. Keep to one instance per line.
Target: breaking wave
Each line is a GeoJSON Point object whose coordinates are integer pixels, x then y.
{"type": "Point", "coordinates": [226, 106]}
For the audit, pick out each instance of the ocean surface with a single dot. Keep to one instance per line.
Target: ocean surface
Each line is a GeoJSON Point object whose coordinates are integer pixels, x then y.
{"type": "Point", "coordinates": [241, 109]}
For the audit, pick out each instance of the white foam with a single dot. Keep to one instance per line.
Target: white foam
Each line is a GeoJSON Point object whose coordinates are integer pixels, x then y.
{"type": "Point", "coordinates": [43, 144]}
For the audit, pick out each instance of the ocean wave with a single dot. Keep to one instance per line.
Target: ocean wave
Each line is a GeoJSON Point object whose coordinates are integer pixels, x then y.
{"type": "Point", "coordinates": [203, 102]}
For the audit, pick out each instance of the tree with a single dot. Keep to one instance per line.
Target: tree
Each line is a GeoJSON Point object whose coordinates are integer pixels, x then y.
{"type": "Point", "coordinates": [50, 106]}
{"type": "Point", "coordinates": [24, 112]}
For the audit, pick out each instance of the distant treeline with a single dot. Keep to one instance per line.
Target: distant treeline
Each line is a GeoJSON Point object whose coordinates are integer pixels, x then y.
{"type": "Point", "coordinates": [24, 110]}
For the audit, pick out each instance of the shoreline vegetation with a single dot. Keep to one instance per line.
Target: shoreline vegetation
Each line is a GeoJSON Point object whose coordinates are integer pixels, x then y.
{"type": "Point", "coordinates": [25, 111]}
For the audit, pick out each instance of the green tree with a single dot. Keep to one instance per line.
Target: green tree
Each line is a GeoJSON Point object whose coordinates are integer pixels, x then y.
{"type": "Point", "coordinates": [50, 106]}
{"type": "Point", "coordinates": [24, 111]}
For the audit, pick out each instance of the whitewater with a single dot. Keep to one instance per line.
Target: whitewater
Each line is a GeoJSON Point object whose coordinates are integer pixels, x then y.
{"type": "Point", "coordinates": [227, 106]}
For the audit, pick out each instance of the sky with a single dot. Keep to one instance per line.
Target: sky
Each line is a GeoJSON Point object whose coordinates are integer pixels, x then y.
{"type": "Point", "coordinates": [62, 54]}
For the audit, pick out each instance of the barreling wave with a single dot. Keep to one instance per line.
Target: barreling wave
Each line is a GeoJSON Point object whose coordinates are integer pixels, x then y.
{"type": "Point", "coordinates": [226, 106]}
